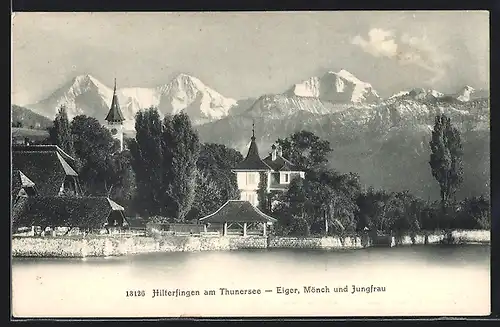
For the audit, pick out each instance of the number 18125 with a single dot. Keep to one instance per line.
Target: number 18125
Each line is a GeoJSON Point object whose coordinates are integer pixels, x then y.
{"type": "Point", "coordinates": [135, 293]}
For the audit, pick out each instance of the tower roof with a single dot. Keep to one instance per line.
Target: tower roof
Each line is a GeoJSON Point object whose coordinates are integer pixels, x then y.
{"type": "Point", "coordinates": [115, 114]}
{"type": "Point", "coordinates": [252, 162]}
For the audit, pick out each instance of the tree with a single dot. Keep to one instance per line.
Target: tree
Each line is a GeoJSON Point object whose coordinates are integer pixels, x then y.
{"type": "Point", "coordinates": [147, 162]}
{"type": "Point", "coordinates": [325, 199]}
{"type": "Point", "coordinates": [373, 208]}
{"type": "Point", "coordinates": [60, 132]}
{"type": "Point", "coordinates": [120, 181]}
{"type": "Point", "coordinates": [216, 183]}
{"type": "Point", "coordinates": [181, 149]}
{"type": "Point", "coordinates": [405, 212]}
{"type": "Point", "coordinates": [474, 213]}
{"type": "Point", "coordinates": [446, 158]}
{"type": "Point", "coordinates": [306, 150]}
{"type": "Point", "coordinates": [94, 148]}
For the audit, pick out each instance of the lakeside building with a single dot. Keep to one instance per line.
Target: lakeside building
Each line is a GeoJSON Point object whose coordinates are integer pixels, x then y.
{"type": "Point", "coordinates": [238, 214]}
{"type": "Point", "coordinates": [274, 171]}
{"type": "Point", "coordinates": [45, 188]}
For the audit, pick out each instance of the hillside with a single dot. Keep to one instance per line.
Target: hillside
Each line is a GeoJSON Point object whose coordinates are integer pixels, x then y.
{"type": "Point", "coordinates": [26, 118]}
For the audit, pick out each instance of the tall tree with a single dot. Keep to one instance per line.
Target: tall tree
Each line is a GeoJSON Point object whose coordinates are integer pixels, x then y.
{"type": "Point", "coordinates": [120, 179]}
{"type": "Point", "coordinates": [216, 183]}
{"type": "Point", "coordinates": [446, 158]}
{"type": "Point", "coordinates": [93, 148]}
{"type": "Point", "coordinates": [181, 149]}
{"type": "Point", "coordinates": [147, 162]}
{"type": "Point", "coordinates": [60, 132]}
{"type": "Point", "coordinates": [306, 150]}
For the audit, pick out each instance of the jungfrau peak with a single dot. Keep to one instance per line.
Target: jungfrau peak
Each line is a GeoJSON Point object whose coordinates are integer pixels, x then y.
{"type": "Point", "coordinates": [338, 87]}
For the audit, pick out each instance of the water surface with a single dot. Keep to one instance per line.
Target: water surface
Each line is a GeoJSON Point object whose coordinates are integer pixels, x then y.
{"type": "Point", "coordinates": [418, 280]}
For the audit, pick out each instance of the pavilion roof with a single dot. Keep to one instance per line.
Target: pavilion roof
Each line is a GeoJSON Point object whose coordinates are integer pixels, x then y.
{"type": "Point", "coordinates": [237, 211]}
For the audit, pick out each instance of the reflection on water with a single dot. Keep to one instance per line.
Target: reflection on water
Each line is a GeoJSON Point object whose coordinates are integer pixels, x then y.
{"type": "Point", "coordinates": [420, 280]}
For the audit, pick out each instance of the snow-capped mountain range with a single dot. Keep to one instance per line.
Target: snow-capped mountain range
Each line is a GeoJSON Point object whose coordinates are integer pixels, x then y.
{"type": "Point", "coordinates": [384, 140]}
{"type": "Point", "coordinates": [329, 93]}
{"type": "Point", "coordinates": [85, 94]}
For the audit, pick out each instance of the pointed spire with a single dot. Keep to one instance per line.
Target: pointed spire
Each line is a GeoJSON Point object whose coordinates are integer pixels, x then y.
{"type": "Point", "coordinates": [252, 161]}
{"type": "Point", "coordinates": [253, 129]}
{"type": "Point", "coordinates": [115, 114]}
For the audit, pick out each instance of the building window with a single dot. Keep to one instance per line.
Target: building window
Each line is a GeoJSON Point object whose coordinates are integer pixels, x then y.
{"type": "Point", "coordinates": [252, 178]}
{"type": "Point", "coordinates": [285, 178]}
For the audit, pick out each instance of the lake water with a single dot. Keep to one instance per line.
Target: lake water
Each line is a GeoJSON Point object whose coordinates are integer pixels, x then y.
{"type": "Point", "coordinates": [418, 280]}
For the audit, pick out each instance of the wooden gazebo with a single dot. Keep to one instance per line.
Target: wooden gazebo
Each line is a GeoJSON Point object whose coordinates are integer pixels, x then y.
{"type": "Point", "coordinates": [238, 212]}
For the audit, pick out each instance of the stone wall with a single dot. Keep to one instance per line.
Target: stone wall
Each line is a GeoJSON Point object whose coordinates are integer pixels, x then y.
{"type": "Point", "coordinates": [119, 245]}
{"type": "Point", "coordinates": [444, 237]}
{"type": "Point", "coordinates": [78, 247]}
{"type": "Point", "coordinates": [331, 242]}
{"type": "Point", "coordinates": [469, 237]}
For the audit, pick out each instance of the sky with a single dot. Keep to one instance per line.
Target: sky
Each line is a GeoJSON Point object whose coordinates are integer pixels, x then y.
{"type": "Point", "coordinates": [247, 54]}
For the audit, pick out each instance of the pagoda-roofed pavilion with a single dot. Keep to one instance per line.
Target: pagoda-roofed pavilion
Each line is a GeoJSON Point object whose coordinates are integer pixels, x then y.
{"type": "Point", "coordinates": [238, 212]}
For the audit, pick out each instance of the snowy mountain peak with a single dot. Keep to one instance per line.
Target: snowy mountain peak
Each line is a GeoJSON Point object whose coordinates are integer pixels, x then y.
{"type": "Point", "coordinates": [465, 93]}
{"type": "Point", "coordinates": [417, 94]}
{"type": "Point", "coordinates": [337, 87]}
{"type": "Point", "coordinates": [350, 77]}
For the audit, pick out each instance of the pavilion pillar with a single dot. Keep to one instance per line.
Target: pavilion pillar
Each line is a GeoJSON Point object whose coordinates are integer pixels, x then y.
{"type": "Point", "coordinates": [204, 228]}
{"type": "Point", "coordinates": [264, 229]}
{"type": "Point", "coordinates": [244, 229]}
{"type": "Point", "coordinates": [224, 229]}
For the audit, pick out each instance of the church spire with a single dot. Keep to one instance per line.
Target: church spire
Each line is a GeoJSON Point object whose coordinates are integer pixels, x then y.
{"type": "Point", "coordinates": [115, 114]}
{"type": "Point", "coordinates": [253, 130]}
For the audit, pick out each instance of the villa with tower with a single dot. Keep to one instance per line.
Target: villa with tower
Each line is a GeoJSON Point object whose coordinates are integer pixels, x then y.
{"type": "Point", "coordinates": [115, 119]}
{"type": "Point", "coordinates": [275, 171]}
{"type": "Point", "coordinates": [254, 175]}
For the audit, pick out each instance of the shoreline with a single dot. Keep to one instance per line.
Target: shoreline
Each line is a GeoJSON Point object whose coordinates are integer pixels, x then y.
{"type": "Point", "coordinates": [109, 246]}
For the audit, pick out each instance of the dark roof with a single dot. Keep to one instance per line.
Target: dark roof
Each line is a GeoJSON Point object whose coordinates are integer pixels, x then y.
{"type": "Point", "coordinates": [237, 211]}
{"type": "Point", "coordinates": [44, 165]}
{"type": "Point", "coordinates": [44, 148]}
{"type": "Point", "coordinates": [252, 160]}
{"type": "Point", "coordinates": [56, 211]}
{"type": "Point", "coordinates": [280, 164]}
{"type": "Point", "coordinates": [115, 114]}
{"type": "Point", "coordinates": [20, 180]}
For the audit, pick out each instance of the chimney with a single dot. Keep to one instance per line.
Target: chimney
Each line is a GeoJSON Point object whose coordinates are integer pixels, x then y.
{"type": "Point", "coordinates": [273, 152]}
{"type": "Point", "coordinates": [280, 151]}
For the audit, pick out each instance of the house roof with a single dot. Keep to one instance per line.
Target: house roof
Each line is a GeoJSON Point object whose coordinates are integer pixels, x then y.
{"type": "Point", "coordinates": [115, 114]}
{"type": "Point", "coordinates": [237, 211]}
{"type": "Point", "coordinates": [20, 180]}
{"type": "Point", "coordinates": [252, 161]}
{"type": "Point", "coordinates": [61, 211]}
{"type": "Point", "coordinates": [43, 148]}
{"type": "Point", "coordinates": [280, 163]}
{"type": "Point", "coordinates": [45, 166]}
